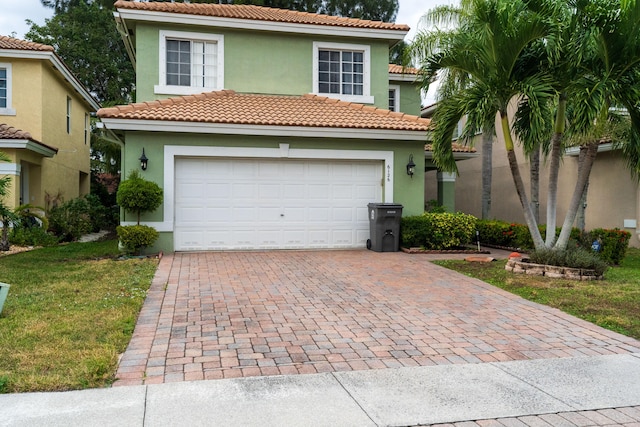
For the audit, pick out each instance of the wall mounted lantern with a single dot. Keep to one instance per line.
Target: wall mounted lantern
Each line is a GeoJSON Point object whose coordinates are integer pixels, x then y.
{"type": "Point", "coordinates": [411, 167]}
{"type": "Point", "coordinates": [143, 161]}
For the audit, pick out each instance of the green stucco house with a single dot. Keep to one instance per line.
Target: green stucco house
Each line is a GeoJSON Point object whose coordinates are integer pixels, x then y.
{"type": "Point", "coordinates": [267, 128]}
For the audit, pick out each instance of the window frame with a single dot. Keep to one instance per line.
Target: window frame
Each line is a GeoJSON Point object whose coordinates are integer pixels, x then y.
{"type": "Point", "coordinates": [69, 101]}
{"type": "Point", "coordinates": [366, 97]}
{"type": "Point", "coordinates": [8, 110]}
{"type": "Point", "coordinates": [396, 90]}
{"type": "Point", "coordinates": [162, 88]}
{"type": "Point", "coordinates": [87, 129]}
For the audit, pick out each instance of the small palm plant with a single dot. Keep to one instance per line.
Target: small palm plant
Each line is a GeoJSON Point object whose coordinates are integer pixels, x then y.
{"type": "Point", "coordinates": [6, 215]}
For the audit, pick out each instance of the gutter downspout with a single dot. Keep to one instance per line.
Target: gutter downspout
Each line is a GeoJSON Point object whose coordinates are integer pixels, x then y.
{"type": "Point", "coordinates": [121, 26]}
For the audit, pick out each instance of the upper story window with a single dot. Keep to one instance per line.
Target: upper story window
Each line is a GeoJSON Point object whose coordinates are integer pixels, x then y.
{"type": "Point", "coordinates": [5, 90]}
{"type": "Point", "coordinates": [190, 63]}
{"type": "Point", "coordinates": [394, 98]}
{"type": "Point", "coordinates": [68, 115]}
{"type": "Point", "coordinates": [342, 71]}
{"type": "Point", "coordinates": [87, 129]}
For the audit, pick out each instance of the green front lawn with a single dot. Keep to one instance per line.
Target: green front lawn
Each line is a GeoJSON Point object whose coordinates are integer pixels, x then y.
{"type": "Point", "coordinates": [70, 312]}
{"type": "Point", "coordinates": [613, 303]}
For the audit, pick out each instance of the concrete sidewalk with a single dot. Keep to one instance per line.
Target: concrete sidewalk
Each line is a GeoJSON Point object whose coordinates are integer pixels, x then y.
{"type": "Point", "coordinates": [598, 390]}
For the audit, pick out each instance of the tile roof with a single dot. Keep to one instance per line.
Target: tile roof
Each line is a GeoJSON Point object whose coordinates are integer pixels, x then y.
{"type": "Point", "coordinates": [257, 13]}
{"type": "Point", "coordinates": [229, 107]}
{"type": "Point", "coordinates": [455, 147]}
{"type": "Point", "coordinates": [17, 44]}
{"type": "Point", "coordinates": [399, 69]}
{"type": "Point", "coordinates": [11, 133]}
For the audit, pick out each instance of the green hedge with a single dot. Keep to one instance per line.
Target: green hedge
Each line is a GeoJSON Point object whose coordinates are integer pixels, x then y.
{"type": "Point", "coordinates": [135, 237]}
{"type": "Point", "coordinates": [437, 230]}
{"type": "Point", "coordinates": [613, 243]}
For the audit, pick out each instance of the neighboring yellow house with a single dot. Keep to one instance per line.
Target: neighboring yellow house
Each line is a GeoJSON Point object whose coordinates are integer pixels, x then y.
{"type": "Point", "coordinates": [44, 124]}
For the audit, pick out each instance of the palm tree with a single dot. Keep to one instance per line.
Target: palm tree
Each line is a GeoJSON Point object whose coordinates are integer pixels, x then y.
{"type": "Point", "coordinates": [610, 77]}
{"type": "Point", "coordinates": [6, 214]}
{"type": "Point", "coordinates": [566, 63]}
{"type": "Point", "coordinates": [487, 47]}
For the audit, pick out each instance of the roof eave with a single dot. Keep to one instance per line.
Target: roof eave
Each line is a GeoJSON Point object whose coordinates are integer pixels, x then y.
{"type": "Point", "coordinates": [408, 78]}
{"type": "Point", "coordinates": [262, 130]}
{"type": "Point", "coordinates": [30, 145]}
{"type": "Point", "coordinates": [259, 25]}
{"type": "Point", "coordinates": [60, 66]}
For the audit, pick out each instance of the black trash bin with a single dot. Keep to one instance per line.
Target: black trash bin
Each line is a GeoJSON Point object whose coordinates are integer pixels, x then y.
{"type": "Point", "coordinates": [384, 227]}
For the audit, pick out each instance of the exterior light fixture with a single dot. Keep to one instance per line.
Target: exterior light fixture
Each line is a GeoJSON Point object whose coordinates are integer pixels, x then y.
{"type": "Point", "coordinates": [411, 167]}
{"type": "Point", "coordinates": [143, 161]}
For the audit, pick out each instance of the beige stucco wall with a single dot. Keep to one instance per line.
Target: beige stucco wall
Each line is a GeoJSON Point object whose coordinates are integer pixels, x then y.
{"type": "Point", "coordinates": [40, 101]}
{"type": "Point", "coordinates": [613, 195]}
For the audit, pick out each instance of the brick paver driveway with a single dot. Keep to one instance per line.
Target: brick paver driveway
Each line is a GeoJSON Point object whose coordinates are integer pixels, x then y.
{"type": "Point", "coordinates": [232, 314]}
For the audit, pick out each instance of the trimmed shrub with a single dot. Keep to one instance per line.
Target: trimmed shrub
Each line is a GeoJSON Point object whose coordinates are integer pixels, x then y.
{"type": "Point", "coordinates": [437, 230]}
{"type": "Point", "coordinates": [573, 257]}
{"type": "Point", "coordinates": [138, 195]}
{"type": "Point", "coordinates": [513, 235]}
{"type": "Point", "coordinates": [135, 237]}
{"type": "Point", "coordinates": [613, 243]}
{"type": "Point", "coordinates": [32, 236]}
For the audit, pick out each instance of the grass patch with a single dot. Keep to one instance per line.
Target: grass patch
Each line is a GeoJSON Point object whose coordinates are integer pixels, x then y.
{"type": "Point", "coordinates": [71, 310]}
{"type": "Point", "coordinates": [613, 303]}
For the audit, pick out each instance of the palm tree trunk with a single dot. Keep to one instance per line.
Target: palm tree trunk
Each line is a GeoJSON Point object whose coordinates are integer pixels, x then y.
{"type": "Point", "coordinates": [534, 173]}
{"type": "Point", "coordinates": [583, 178]}
{"type": "Point", "coordinates": [582, 206]}
{"type": "Point", "coordinates": [487, 170]}
{"type": "Point", "coordinates": [554, 168]}
{"type": "Point", "coordinates": [519, 184]}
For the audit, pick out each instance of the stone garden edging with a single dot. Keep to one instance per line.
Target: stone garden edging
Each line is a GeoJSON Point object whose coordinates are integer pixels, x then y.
{"type": "Point", "coordinates": [522, 266]}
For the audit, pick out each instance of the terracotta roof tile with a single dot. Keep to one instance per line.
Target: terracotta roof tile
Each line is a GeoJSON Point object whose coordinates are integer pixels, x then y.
{"type": "Point", "coordinates": [257, 13]}
{"type": "Point", "coordinates": [247, 109]}
{"type": "Point", "coordinates": [17, 44]}
{"type": "Point", "coordinates": [9, 132]}
{"type": "Point", "coordinates": [399, 69]}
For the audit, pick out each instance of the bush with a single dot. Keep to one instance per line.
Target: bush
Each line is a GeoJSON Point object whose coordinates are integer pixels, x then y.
{"type": "Point", "coordinates": [79, 216]}
{"type": "Point", "coordinates": [613, 243]}
{"type": "Point", "coordinates": [70, 220]}
{"type": "Point", "coordinates": [513, 235]}
{"type": "Point", "coordinates": [437, 230]}
{"type": "Point", "coordinates": [138, 195]}
{"type": "Point", "coordinates": [136, 237]}
{"type": "Point", "coordinates": [32, 236]}
{"type": "Point", "coordinates": [573, 257]}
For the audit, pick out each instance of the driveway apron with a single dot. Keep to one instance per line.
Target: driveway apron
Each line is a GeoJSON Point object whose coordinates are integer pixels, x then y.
{"type": "Point", "coordinates": [238, 314]}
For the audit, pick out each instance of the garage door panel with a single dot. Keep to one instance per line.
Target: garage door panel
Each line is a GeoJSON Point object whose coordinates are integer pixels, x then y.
{"type": "Point", "coordinates": [273, 204]}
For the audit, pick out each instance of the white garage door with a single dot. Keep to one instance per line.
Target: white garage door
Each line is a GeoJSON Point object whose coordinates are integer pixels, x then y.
{"type": "Point", "coordinates": [273, 204]}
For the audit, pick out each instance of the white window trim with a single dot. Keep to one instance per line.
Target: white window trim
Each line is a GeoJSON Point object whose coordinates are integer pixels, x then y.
{"type": "Point", "coordinates": [68, 116]}
{"type": "Point", "coordinates": [162, 88]}
{"type": "Point", "coordinates": [396, 89]}
{"type": "Point", "coordinates": [8, 111]}
{"type": "Point", "coordinates": [366, 97]}
{"type": "Point", "coordinates": [87, 129]}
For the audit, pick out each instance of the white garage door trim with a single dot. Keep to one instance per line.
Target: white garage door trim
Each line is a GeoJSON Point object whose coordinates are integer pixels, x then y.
{"type": "Point", "coordinates": [240, 203]}
{"type": "Point", "coordinates": [173, 151]}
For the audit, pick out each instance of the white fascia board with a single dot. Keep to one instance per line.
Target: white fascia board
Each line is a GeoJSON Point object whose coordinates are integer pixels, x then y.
{"type": "Point", "coordinates": [25, 144]}
{"type": "Point", "coordinates": [456, 155]}
{"type": "Point", "coordinates": [257, 25]}
{"type": "Point", "coordinates": [602, 148]}
{"type": "Point", "coordinates": [409, 78]}
{"type": "Point", "coordinates": [62, 69]}
{"type": "Point", "coordinates": [260, 130]}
